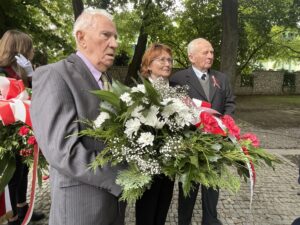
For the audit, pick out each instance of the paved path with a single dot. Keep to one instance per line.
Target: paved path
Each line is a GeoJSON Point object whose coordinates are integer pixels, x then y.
{"type": "Point", "coordinates": [275, 200]}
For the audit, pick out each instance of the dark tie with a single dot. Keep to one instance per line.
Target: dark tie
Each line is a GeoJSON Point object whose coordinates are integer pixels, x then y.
{"type": "Point", "coordinates": [105, 82]}
{"type": "Point", "coordinates": [203, 77]}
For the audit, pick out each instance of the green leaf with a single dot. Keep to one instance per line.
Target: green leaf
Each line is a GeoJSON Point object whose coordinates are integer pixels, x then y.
{"type": "Point", "coordinates": [109, 97]}
{"type": "Point", "coordinates": [151, 92]}
{"type": "Point", "coordinates": [118, 88]}
{"type": "Point", "coordinates": [194, 160]}
{"type": "Point", "coordinates": [3, 163]}
{"type": "Point", "coordinates": [39, 176]}
{"type": "Point", "coordinates": [7, 173]}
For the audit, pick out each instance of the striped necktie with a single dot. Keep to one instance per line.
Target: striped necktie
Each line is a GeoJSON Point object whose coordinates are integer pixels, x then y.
{"type": "Point", "coordinates": [105, 82]}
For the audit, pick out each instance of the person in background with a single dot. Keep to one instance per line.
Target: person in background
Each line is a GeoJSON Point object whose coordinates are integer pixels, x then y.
{"type": "Point", "coordinates": [152, 208]}
{"type": "Point", "coordinates": [16, 52]}
{"type": "Point", "coordinates": [296, 221]}
{"type": "Point", "coordinates": [212, 86]}
{"type": "Point", "coordinates": [61, 96]}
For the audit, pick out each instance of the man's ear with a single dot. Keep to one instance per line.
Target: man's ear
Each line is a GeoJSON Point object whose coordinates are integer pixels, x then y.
{"type": "Point", "coordinates": [80, 37]}
{"type": "Point", "coordinates": [191, 58]}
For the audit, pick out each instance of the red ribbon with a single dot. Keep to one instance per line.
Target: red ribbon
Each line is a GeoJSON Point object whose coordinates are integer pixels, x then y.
{"type": "Point", "coordinates": [33, 184]}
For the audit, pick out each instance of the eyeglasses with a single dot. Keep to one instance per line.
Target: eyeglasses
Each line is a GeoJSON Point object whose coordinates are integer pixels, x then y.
{"type": "Point", "coordinates": [163, 60]}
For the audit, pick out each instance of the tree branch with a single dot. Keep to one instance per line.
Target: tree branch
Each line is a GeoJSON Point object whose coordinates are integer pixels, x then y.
{"type": "Point", "coordinates": [257, 49]}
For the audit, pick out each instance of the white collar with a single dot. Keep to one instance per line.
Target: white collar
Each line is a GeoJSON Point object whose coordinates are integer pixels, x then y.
{"type": "Point", "coordinates": [199, 73]}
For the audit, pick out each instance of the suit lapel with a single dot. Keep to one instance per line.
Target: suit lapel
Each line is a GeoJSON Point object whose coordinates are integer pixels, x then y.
{"type": "Point", "coordinates": [83, 71]}
{"type": "Point", "coordinates": [212, 88]}
{"type": "Point", "coordinates": [194, 83]}
{"type": "Point", "coordinates": [214, 84]}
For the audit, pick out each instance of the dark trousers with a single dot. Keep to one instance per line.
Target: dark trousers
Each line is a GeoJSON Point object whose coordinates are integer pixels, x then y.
{"type": "Point", "coordinates": [186, 205]}
{"type": "Point", "coordinates": [152, 208]}
{"type": "Point", "coordinates": [18, 184]}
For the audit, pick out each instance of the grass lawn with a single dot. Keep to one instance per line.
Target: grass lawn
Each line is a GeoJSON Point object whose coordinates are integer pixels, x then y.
{"type": "Point", "coordinates": [269, 111]}
{"type": "Point", "coordinates": [268, 102]}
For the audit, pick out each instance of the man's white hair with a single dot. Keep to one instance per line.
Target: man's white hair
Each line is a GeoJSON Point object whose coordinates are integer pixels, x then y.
{"type": "Point", "coordinates": [85, 20]}
{"type": "Point", "coordinates": [193, 44]}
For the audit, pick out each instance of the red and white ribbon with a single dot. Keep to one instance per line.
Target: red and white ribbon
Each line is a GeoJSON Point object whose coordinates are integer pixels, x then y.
{"type": "Point", "coordinates": [14, 101]}
{"type": "Point", "coordinates": [203, 106]}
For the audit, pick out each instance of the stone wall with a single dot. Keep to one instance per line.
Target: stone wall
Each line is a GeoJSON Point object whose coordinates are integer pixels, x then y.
{"type": "Point", "coordinates": [264, 82]}
{"type": "Point", "coordinates": [267, 83]}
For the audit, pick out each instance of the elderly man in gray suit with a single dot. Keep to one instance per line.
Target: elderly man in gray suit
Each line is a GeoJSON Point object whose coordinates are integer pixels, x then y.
{"type": "Point", "coordinates": [61, 97]}
{"type": "Point", "coordinates": [211, 86]}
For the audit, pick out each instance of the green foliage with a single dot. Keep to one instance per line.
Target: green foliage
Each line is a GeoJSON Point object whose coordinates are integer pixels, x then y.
{"type": "Point", "coordinates": [152, 94]}
{"type": "Point", "coordinates": [289, 79]}
{"type": "Point", "coordinates": [48, 22]}
{"type": "Point", "coordinates": [12, 143]}
{"type": "Point", "coordinates": [9, 142]}
{"type": "Point", "coordinates": [247, 80]}
{"type": "Point", "coordinates": [108, 96]}
{"type": "Point", "coordinates": [257, 35]}
{"type": "Point", "coordinates": [128, 25]}
{"type": "Point", "coordinates": [134, 183]}
{"type": "Point", "coordinates": [262, 26]}
{"type": "Point", "coordinates": [7, 169]}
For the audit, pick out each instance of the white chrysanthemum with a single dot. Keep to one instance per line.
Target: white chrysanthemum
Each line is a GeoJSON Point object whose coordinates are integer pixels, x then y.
{"type": "Point", "coordinates": [171, 108]}
{"type": "Point", "coordinates": [125, 97]}
{"type": "Point", "coordinates": [166, 101]}
{"type": "Point", "coordinates": [183, 120]}
{"type": "Point", "coordinates": [137, 111]}
{"type": "Point", "coordinates": [100, 119]}
{"type": "Point", "coordinates": [138, 88]}
{"type": "Point", "coordinates": [146, 139]}
{"type": "Point", "coordinates": [132, 127]}
{"type": "Point", "coordinates": [151, 118]}
{"type": "Point", "coordinates": [185, 116]}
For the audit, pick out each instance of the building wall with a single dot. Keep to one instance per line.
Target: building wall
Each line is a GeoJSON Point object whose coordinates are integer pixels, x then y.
{"type": "Point", "coordinates": [264, 82]}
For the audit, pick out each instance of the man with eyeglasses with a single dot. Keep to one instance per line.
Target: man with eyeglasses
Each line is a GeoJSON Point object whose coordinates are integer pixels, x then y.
{"type": "Point", "coordinates": [214, 87]}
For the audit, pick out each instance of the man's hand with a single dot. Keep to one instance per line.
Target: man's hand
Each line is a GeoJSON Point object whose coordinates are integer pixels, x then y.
{"type": "Point", "coordinates": [24, 63]}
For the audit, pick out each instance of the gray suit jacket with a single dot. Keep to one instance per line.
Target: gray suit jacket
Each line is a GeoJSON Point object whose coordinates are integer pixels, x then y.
{"type": "Point", "coordinates": [221, 96]}
{"type": "Point", "coordinates": [60, 98]}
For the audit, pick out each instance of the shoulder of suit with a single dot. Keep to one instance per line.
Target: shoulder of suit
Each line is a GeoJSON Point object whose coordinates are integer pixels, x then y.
{"type": "Point", "coordinates": [180, 73]}
{"type": "Point", "coordinates": [70, 59]}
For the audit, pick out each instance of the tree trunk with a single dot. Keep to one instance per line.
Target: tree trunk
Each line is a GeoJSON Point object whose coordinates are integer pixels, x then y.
{"type": "Point", "coordinates": [230, 38]}
{"type": "Point", "coordinates": [77, 7]}
{"type": "Point", "coordinates": [140, 48]}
